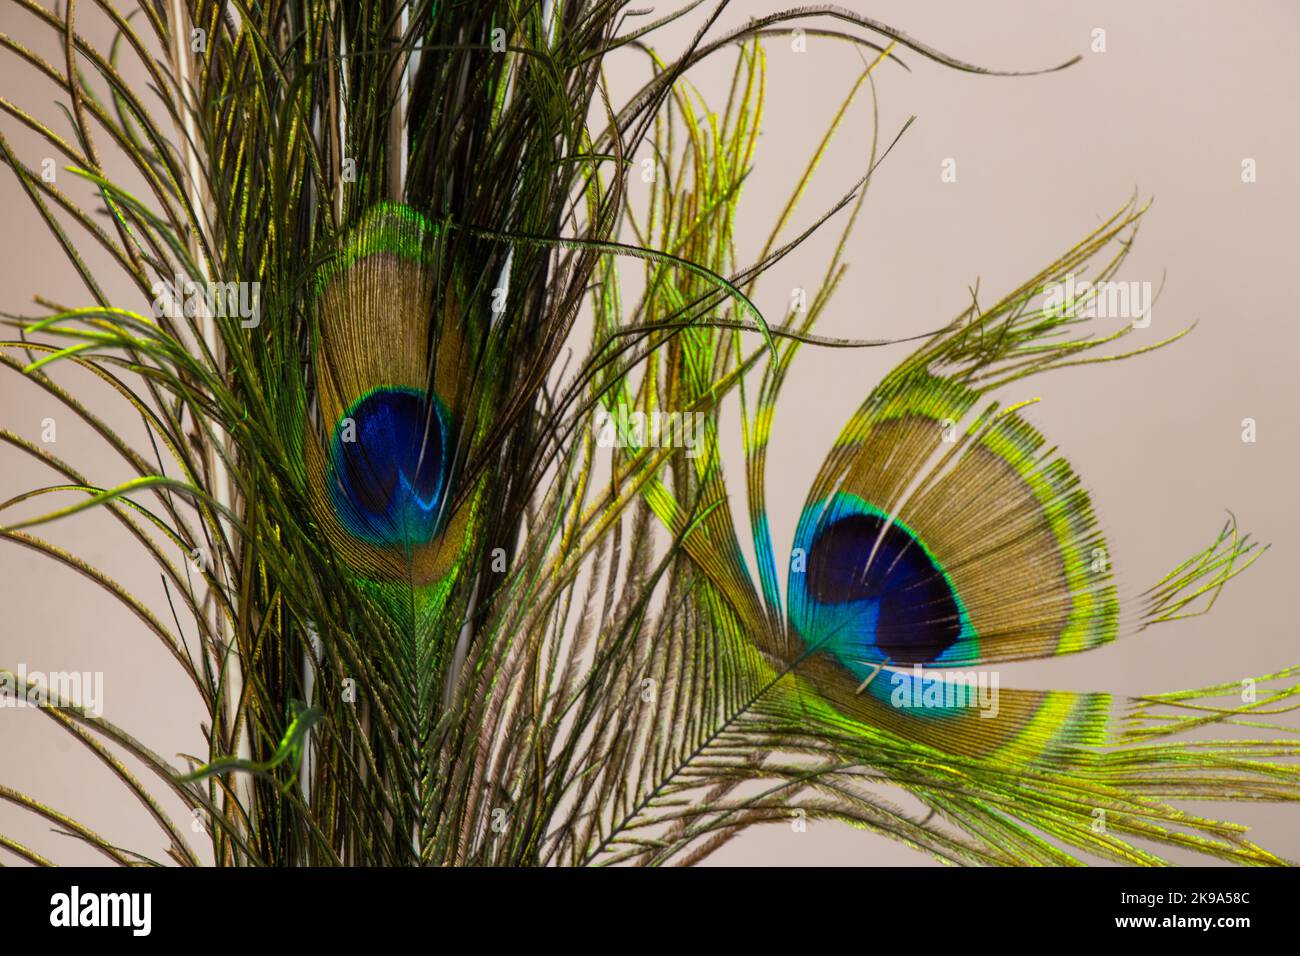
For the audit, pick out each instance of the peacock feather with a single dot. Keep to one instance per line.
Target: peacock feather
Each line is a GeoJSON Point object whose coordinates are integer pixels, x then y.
{"type": "Point", "coordinates": [391, 406]}
{"type": "Point", "coordinates": [444, 592]}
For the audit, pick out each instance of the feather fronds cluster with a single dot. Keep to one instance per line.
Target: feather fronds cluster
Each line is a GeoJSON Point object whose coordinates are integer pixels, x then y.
{"type": "Point", "coordinates": [431, 617]}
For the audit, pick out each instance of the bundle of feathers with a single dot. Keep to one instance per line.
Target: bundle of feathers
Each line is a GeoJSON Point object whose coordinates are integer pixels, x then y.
{"type": "Point", "coordinates": [432, 618]}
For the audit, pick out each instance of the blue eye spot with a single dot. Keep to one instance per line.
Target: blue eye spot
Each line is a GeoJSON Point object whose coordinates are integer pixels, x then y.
{"type": "Point", "coordinates": [389, 462]}
{"type": "Point", "coordinates": [873, 592]}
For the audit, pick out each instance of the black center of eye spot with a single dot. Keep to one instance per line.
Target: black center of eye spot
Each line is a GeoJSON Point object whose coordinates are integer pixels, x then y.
{"type": "Point", "coordinates": [861, 557]}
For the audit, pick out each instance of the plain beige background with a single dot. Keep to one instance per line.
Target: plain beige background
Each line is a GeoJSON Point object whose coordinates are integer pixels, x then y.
{"type": "Point", "coordinates": [1184, 92]}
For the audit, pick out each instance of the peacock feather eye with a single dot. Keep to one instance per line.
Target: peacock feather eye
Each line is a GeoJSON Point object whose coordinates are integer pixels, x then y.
{"type": "Point", "coordinates": [908, 608]}
{"type": "Point", "coordinates": [392, 402]}
{"type": "Point", "coordinates": [389, 461]}
{"type": "Point", "coordinates": [873, 592]}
